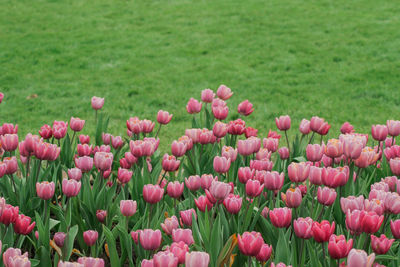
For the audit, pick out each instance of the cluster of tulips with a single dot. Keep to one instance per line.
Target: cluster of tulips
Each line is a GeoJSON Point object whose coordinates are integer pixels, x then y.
{"type": "Point", "coordinates": [222, 197]}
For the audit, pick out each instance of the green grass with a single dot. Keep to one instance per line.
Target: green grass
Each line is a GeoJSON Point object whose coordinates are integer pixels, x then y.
{"type": "Point", "coordinates": [336, 59]}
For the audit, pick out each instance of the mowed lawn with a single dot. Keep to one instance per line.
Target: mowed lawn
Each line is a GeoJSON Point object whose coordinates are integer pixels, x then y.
{"type": "Point", "coordinates": [336, 59]}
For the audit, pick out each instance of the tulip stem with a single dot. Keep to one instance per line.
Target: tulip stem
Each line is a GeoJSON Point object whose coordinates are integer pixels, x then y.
{"type": "Point", "coordinates": [301, 252]}
{"type": "Point", "coordinates": [287, 141]}
{"type": "Point", "coordinates": [158, 131]}
{"type": "Point", "coordinates": [13, 183]}
{"type": "Point", "coordinates": [249, 261]}
{"type": "Point", "coordinates": [321, 139]}
{"type": "Point", "coordinates": [45, 211]}
{"type": "Point", "coordinates": [324, 253]}
{"type": "Point", "coordinates": [28, 166]}
{"type": "Point", "coordinates": [311, 138]}
{"type": "Point", "coordinates": [392, 140]}
{"type": "Point", "coordinates": [95, 116]}
{"type": "Point", "coordinates": [320, 214]}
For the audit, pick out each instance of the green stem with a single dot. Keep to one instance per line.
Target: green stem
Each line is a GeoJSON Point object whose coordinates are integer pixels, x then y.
{"type": "Point", "coordinates": [287, 141]}
{"type": "Point", "coordinates": [311, 138]}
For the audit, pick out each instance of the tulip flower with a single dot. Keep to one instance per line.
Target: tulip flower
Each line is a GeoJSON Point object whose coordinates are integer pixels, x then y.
{"type": "Point", "coordinates": [395, 166]}
{"type": "Point", "coordinates": [193, 106]}
{"type": "Point", "coordinates": [128, 207]}
{"type": "Point", "coordinates": [371, 222]}
{"type": "Point", "coordinates": [193, 183]}
{"type": "Point", "coordinates": [103, 160]}
{"type": "Point", "coordinates": [45, 190]}
{"type": "Point", "coordinates": [76, 124]}
{"type": "Point", "coordinates": [224, 92]}
{"type": "Point", "coordinates": [178, 149]}
{"type": "Point", "coordinates": [170, 224]}
{"type": "Point", "coordinates": [46, 132]}
{"type": "Point", "coordinates": [219, 190]}
{"type": "Point", "coordinates": [165, 259]}
{"type": "Point", "coordinates": [90, 237]}
{"type": "Point", "coordinates": [152, 193]}
{"type": "Point", "coordinates": [283, 153]}
{"type": "Point", "coordinates": [175, 189]}
{"type": "Point", "coordinates": [379, 132]}
{"type": "Point", "coordinates": [245, 108]}
{"type": "Point", "coordinates": [184, 235]}
{"type": "Point", "coordinates": [326, 196]}
{"type": "Point", "coordinates": [292, 198]}
{"type": "Point", "coordinates": [91, 262]}
{"type": "Point", "coordinates": [381, 245]}
{"type": "Point", "coordinates": [274, 180]}
{"type": "Point", "coordinates": [254, 188]}
{"type": "Point", "coordinates": [346, 128]}
{"type": "Point", "coordinates": [70, 188]}
{"type": "Point", "coordinates": [250, 131]}
{"type": "Point", "coordinates": [259, 165]}
{"type": "Point", "coordinates": [97, 102]}
{"type": "Point", "coordinates": [186, 216]}
{"type": "Point", "coordinates": [9, 214]}
{"type": "Point", "coordinates": [321, 232]}
{"type": "Point", "coordinates": [197, 259]}
{"type": "Point", "coordinates": [221, 164]}
{"type": "Point", "coordinates": [335, 177]}
{"type": "Point", "coordinates": [359, 258]}
{"type": "Point", "coordinates": [303, 227]}
{"type": "Point", "coordinates": [283, 123]}
{"type": "Point", "coordinates": [237, 127]}
{"type": "Point", "coordinates": [59, 238]}
{"type": "Point", "coordinates": [85, 164]}
{"type": "Point", "coordinates": [220, 112]}
{"type": "Point", "coordinates": [304, 127]}
{"type": "Point", "coordinates": [207, 95]}
{"type": "Point", "coordinates": [271, 144]}
{"type": "Point", "coordinates": [150, 239]}
{"type": "Point", "coordinates": [338, 247]}
{"type": "Point", "coordinates": [23, 225]}
{"type": "Point", "coordinates": [220, 129]}
{"type": "Point", "coordinates": [233, 203]}
{"type": "Point", "coordinates": [9, 142]}
{"type": "Point", "coordinates": [101, 215]}
{"type": "Point", "coordinates": [13, 257]}
{"type": "Point", "coordinates": [60, 129]}
{"type": "Point", "coordinates": [163, 117]}
{"type": "Point", "coordinates": [202, 203]}
{"type": "Point", "coordinates": [298, 172]}
{"type": "Point", "coordinates": [250, 243]}
{"type": "Point", "coordinates": [11, 165]}
{"type": "Point", "coordinates": [169, 163]}
{"type": "Point", "coordinates": [281, 217]}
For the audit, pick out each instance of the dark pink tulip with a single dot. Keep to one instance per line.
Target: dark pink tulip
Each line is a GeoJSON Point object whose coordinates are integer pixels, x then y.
{"type": "Point", "coordinates": [219, 190]}
{"type": "Point", "coordinates": [135, 235]}
{"type": "Point", "coordinates": [283, 123]}
{"type": "Point", "coordinates": [395, 166]}
{"type": "Point", "coordinates": [186, 216]}
{"type": "Point", "coordinates": [292, 198]}
{"type": "Point", "coordinates": [85, 163]}
{"type": "Point", "coordinates": [202, 203]}
{"type": "Point", "coordinates": [150, 239]}
{"type": "Point", "coordinates": [197, 259]}
{"type": "Point", "coordinates": [245, 108]}
{"type": "Point", "coordinates": [103, 160]}
{"type": "Point", "coordinates": [45, 190]}
{"type": "Point", "coordinates": [193, 182]}
{"type": "Point", "coordinates": [1, 97]}
{"type": "Point", "coordinates": [124, 175]}
{"type": "Point", "coordinates": [371, 222]}
{"type": "Point", "coordinates": [127, 207]}
{"type": "Point", "coordinates": [281, 217]}
{"type": "Point", "coordinates": [117, 142]}
{"type": "Point", "coordinates": [224, 92]}
{"type": "Point", "coordinates": [221, 164]}
{"type": "Point", "coordinates": [90, 237]}
{"type": "Point", "coordinates": [393, 127]}
{"type": "Point", "coordinates": [91, 262]}
{"type": "Point", "coordinates": [76, 124]}
{"type": "Point", "coordinates": [250, 243]}
{"type": "Point", "coordinates": [326, 196]}
{"type": "Point", "coordinates": [237, 127]}
{"type": "Point", "coordinates": [8, 128]}
{"type": "Point", "coordinates": [60, 129]}
{"type": "Point", "coordinates": [335, 177]}
{"type": "Point", "coordinates": [233, 203]}
{"type": "Point", "coordinates": [11, 164]}
{"type": "Point", "coordinates": [271, 144]}
{"type": "Point", "coordinates": [3, 169]}
{"type": "Point", "coordinates": [250, 131]}
{"type": "Point", "coordinates": [338, 247]}
{"type": "Point", "coordinates": [101, 215]}
{"type": "Point", "coordinates": [147, 126]}
{"type": "Point", "coordinates": [193, 106]}
{"type": "Point", "coordinates": [59, 238]}
{"type": "Point", "coordinates": [9, 142]}
{"type": "Point", "coordinates": [259, 165]}
{"type": "Point", "coordinates": [23, 225]}
{"type": "Point", "coordinates": [283, 153]}
{"type": "Point", "coordinates": [175, 189]}
{"type": "Point", "coordinates": [274, 180]}
{"type": "Point", "coordinates": [322, 231]}
{"type": "Point", "coordinates": [315, 176]}
{"type": "Point", "coordinates": [220, 112]}
{"type": "Point", "coordinates": [381, 245]}
{"type": "Point", "coordinates": [163, 117]}
{"type": "Point", "coordinates": [134, 125]}
{"type": "Point", "coordinates": [84, 150]}
{"type": "Point", "coordinates": [152, 193]}
{"type": "Point", "coordinates": [9, 215]}
{"type": "Point", "coordinates": [84, 139]}
{"type": "Point", "coordinates": [264, 254]}
{"type": "Point", "coordinates": [207, 95]}
{"type": "Point", "coordinates": [347, 128]}
{"type": "Point", "coordinates": [170, 224]}
{"type": "Point", "coordinates": [254, 188]}
{"type": "Point", "coordinates": [304, 127]}
{"type": "Point", "coordinates": [315, 152]}
{"type": "Point", "coordinates": [244, 174]}
{"type": "Point", "coordinates": [379, 132]}
{"type": "Point", "coordinates": [302, 227]}
{"type": "Point", "coordinates": [179, 249]}
{"type": "Point", "coordinates": [359, 258]}
{"type": "Point", "coordinates": [97, 102]}
{"type": "Point", "coordinates": [178, 149]}
{"type": "Point", "coordinates": [165, 259]}
{"type": "Point", "coordinates": [220, 129]}
{"type": "Point", "coordinates": [298, 172]}
{"type": "Point", "coordinates": [184, 235]}
{"type": "Point", "coordinates": [395, 228]}
{"type": "Point", "coordinates": [206, 180]}
{"type": "Point", "coordinates": [170, 163]}
{"type": "Point", "coordinates": [71, 188]}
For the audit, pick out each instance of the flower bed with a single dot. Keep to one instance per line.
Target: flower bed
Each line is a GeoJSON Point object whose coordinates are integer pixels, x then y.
{"type": "Point", "coordinates": [223, 197]}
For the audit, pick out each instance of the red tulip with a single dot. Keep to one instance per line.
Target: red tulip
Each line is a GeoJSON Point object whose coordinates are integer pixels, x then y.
{"type": "Point", "coordinates": [250, 131]}
{"type": "Point", "coordinates": [23, 225]}
{"type": "Point", "coordinates": [371, 222]}
{"type": "Point", "coordinates": [338, 247]}
{"type": "Point", "coordinates": [322, 231]}
{"type": "Point", "coordinates": [381, 245]}
{"type": "Point", "coordinates": [9, 214]}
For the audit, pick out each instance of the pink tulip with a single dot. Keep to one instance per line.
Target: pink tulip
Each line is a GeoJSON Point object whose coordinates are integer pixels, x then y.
{"type": "Point", "coordinates": [150, 239]}
{"type": "Point", "coordinates": [271, 144]}
{"type": "Point", "coordinates": [237, 127]}
{"type": "Point", "coordinates": [304, 127]}
{"type": "Point", "coordinates": [254, 188]}
{"type": "Point", "coordinates": [101, 215]}
{"type": "Point", "coordinates": [335, 177]}
{"type": "Point", "coordinates": [134, 125]}
{"type": "Point", "coordinates": [233, 203]}
{"type": "Point", "coordinates": [184, 235]}
{"type": "Point", "coordinates": [283, 153]}
{"type": "Point", "coordinates": [221, 164]}
{"type": "Point", "coordinates": [250, 131]}
{"type": "Point", "coordinates": [220, 112]}
{"type": "Point", "coordinates": [59, 238]}
{"type": "Point", "coordinates": [292, 198]}
{"type": "Point", "coordinates": [13, 257]}
{"type": "Point", "coordinates": [315, 175]}
{"type": "Point", "coordinates": [315, 152]}
{"type": "Point", "coordinates": [259, 165]}
{"type": "Point", "coordinates": [395, 228]}
{"type": "Point", "coordinates": [352, 149]}
{"type": "Point", "coordinates": [8, 128]}
{"type": "Point", "coordinates": [170, 224]}
{"type": "Point", "coordinates": [302, 227]}
{"type": "Point", "coordinates": [85, 163]}
{"type": "Point", "coordinates": [147, 263]}
{"type": "Point", "coordinates": [347, 128]}
{"type": "Point", "coordinates": [179, 249]}
{"type": "Point", "coordinates": [84, 139]}
{"type": "Point", "coordinates": [207, 95]}
{"type": "Point", "coordinates": [178, 149]}
{"type": "Point", "coordinates": [352, 203]}
{"type": "Point", "coordinates": [393, 127]}
{"type": "Point", "coordinates": [84, 150]}
{"type": "Point", "coordinates": [326, 196]}
{"type": "Point", "coordinates": [220, 129]}
{"type": "Point", "coordinates": [71, 188]}
{"type": "Point", "coordinates": [97, 102]}
{"type": "Point", "coordinates": [127, 207]}
{"type": "Point", "coordinates": [395, 166]}
{"type": "Point", "coordinates": [379, 132]}
{"type": "Point", "coordinates": [224, 92]}
{"type": "Point", "coordinates": [90, 237]}
{"type": "Point", "coordinates": [219, 190]}
{"type": "Point", "coordinates": [91, 262]}
{"type": "Point", "coordinates": [359, 258]}
{"type": "Point", "coordinates": [281, 217]}
{"type": "Point", "coordinates": [175, 189]}
{"type": "Point", "coordinates": [193, 182]}
{"type": "Point", "coordinates": [229, 153]}
{"type": "Point", "coordinates": [244, 174]}
{"type": "Point", "coordinates": [245, 108]}
{"type": "Point", "coordinates": [147, 126]}
{"type": "Point", "coordinates": [76, 124]}
{"type": "Point", "coordinates": [186, 216]}
{"type": "Point", "coordinates": [283, 123]}
{"type": "Point", "coordinates": [23, 225]}
{"type": "Point", "coordinates": [193, 106]}
{"type": "Point", "coordinates": [117, 142]}
{"type": "Point", "coordinates": [334, 148]}
{"type": "Point", "coordinates": [381, 245]}
{"type": "Point", "coordinates": [11, 164]}
{"type": "Point", "coordinates": [197, 259]}
{"type": "Point", "coordinates": [322, 231]}
{"type": "Point", "coordinates": [250, 243]}
{"type": "Point", "coordinates": [274, 180]}
{"type": "Point", "coordinates": [202, 203]}
{"type": "Point", "coordinates": [371, 222]}
{"type": "Point", "coordinates": [264, 153]}
{"type": "Point", "coordinates": [9, 214]}
{"type": "Point", "coordinates": [170, 163]}
{"type": "Point", "coordinates": [298, 172]}
{"type": "Point", "coordinates": [45, 190]}
{"type": "Point", "coordinates": [338, 247]}
{"type": "Point", "coordinates": [163, 117]}
{"type": "Point", "coordinates": [124, 175]}
{"type": "Point", "coordinates": [103, 160]}
{"type": "Point", "coordinates": [392, 203]}
{"type": "Point", "coordinates": [152, 193]}
{"type": "Point", "coordinates": [316, 123]}
{"type": "Point", "coordinates": [9, 142]}
{"type": "Point", "coordinates": [264, 254]}
{"type": "Point", "coordinates": [165, 259]}
{"type": "Point", "coordinates": [60, 129]}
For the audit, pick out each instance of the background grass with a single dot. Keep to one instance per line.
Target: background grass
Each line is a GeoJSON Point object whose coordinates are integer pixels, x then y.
{"type": "Point", "coordinates": [336, 59]}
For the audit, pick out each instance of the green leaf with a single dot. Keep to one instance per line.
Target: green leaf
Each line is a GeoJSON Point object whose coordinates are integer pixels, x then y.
{"type": "Point", "coordinates": [111, 246]}
{"type": "Point", "coordinates": [69, 242]}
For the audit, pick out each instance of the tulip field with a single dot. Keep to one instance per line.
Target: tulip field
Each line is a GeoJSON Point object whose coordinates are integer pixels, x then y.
{"type": "Point", "coordinates": [223, 195]}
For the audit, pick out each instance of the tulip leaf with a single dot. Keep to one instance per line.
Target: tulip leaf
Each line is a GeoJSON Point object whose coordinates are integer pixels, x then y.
{"type": "Point", "coordinates": [114, 259]}
{"type": "Point", "coordinates": [126, 240]}
{"type": "Point", "coordinates": [69, 242]}
{"type": "Point", "coordinates": [282, 251]}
